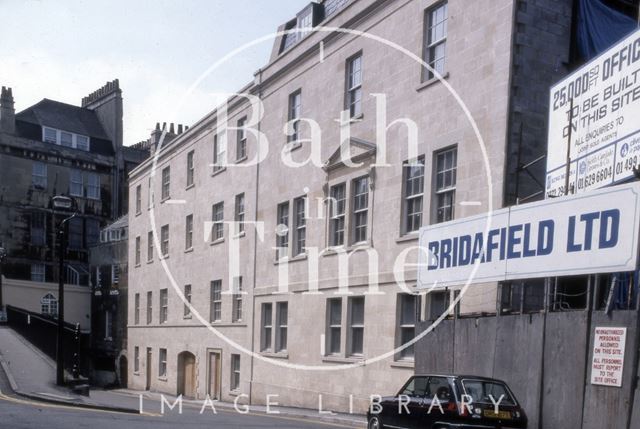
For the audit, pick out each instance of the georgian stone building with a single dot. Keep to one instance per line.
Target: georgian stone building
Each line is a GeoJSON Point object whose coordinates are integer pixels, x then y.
{"type": "Point", "coordinates": [294, 317]}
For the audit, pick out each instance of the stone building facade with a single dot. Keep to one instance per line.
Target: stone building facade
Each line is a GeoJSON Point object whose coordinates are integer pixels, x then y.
{"type": "Point", "coordinates": [309, 324]}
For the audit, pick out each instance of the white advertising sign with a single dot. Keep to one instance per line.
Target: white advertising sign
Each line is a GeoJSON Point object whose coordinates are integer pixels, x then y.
{"type": "Point", "coordinates": [596, 232]}
{"type": "Point", "coordinates": [605, 133]}
{"type": "Point", "coordinates": [608, 356]}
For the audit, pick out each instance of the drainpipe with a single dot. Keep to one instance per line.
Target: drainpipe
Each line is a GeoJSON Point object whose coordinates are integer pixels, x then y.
{"type": "Point", "coordinates": [255, 241]}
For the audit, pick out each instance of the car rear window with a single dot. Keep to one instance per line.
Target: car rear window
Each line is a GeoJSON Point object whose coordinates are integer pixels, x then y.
{"type": "Point", "coordinates": [482, 391]}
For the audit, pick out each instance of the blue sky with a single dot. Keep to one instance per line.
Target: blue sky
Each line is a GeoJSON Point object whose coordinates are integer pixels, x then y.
{"type": "Point", "coordinates": [65, 49]}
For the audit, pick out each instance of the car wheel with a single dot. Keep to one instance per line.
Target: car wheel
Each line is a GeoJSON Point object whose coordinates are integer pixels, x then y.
{"type": "Point", "coordinates": [375, 422]}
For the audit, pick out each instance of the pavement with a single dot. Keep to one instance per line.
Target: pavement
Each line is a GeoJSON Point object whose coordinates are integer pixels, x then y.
{"type": "Point", "coordinates": [31, 374]}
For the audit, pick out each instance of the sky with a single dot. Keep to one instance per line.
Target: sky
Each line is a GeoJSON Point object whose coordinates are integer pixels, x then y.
{"type": "Point", "coordinates": [65, 49]}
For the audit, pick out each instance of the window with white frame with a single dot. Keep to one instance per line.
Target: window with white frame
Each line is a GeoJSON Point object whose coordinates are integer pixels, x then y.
{"type": "Point", "coordinates": [190, 169]}
{"type": "Point", "coordinates": [445, 184]}
{"type": "Point", "coordinates": [164, 305]}
{"type": "Point", "coordinates": [115, 274]}
{"type": "Point", "coordinates": [239, 213]}
{"type": "Point", "coordinates": [413, 195]}
{"type": "Point", "coordinates": [39, 175]}
{"type": "Point", "coordinates": [300, 226]}
{"type": "Point", "coordinates": [436, 39]}
{"type": "Point", "coordinates": [187, 297]}
{"type": "Point", "coordinates": [136, 314]}
{"type": "Point", "coordinates": [150, 246]}
{"type": "Point", "coordinates": [407, 313]}
{"type": "Point", "coordinates": [360, 209]}
{"type": "Point", "coordinates": [49, 305]}
{"type": "Point", "coordinates": [241, 146]}
{"type": "Point", "coordinates": [164, 240]}
{"type": "Point", "coordinates": [282, 326]}
{"type": "Point", "coordinates": [151, 194]}
{"type": "Point", "coordinates": [356, 326]}
{"type": "Point", "coordinates": [267, 327]}
{"type": "Point", "coordinates": [138, 199]}
{"type": "Point", "coordinates": [282, 231]}
{"type": "Point", "coordinates": [166, 182]}
{"type": "Point", "coordinates": [76, 185]}
{"type": "Point", "coordinates": [136, 359]}
{"type": "Point", "coordinates": [38, 273]}
{"type": "Point", "coordinates": [334, 326]}
{"type": "Point", "coordinates": [235, 372]}
{"type": "Point", "coordinates": [219, 153]}
{"type": "Point", "coordinates": [217, 229]}
{"type": "Point", "coordinates": [305, 23]}
{"type": "Point", "coordinates": [149, 307]}
{"type": "Point", "coordinates": [216, 301]}
{"type": "Point", "coordinates": [137, 255]}
{"type": "Point", "coordinates": [38, 229]}
{"type": "Point", "coordinates": [188, 236]}
{"type": "Point", "coordinates": [162, 363]}
{"type": "Point", "coordinates": [236, 308]}
{"type": "Point", "coordinates": [337, 216]}
{"type": "Point", "coordinates": [93, 186]}
{"type": "Point", "coordinates": [65, 138]}
{"type": "Point", "coordinates": [354, 86]}
{"type": "Point", "coordinates": [49, 135]}
{"type": "Point", "coordinates": [294, 115]}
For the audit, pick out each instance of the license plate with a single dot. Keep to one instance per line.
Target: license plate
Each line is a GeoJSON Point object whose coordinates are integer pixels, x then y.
{"type": "Point", "coordinates": [499, 415]}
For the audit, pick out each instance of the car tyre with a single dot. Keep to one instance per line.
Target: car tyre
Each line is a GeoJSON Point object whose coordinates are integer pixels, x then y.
{"type": "Point", "coordinates": [375, 422]}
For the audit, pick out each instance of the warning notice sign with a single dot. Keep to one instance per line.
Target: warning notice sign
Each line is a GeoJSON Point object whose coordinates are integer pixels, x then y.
{"type": "Point", "coordinates": [608, 356]}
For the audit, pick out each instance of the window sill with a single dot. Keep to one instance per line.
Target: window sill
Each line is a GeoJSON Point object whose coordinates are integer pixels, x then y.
{"type": "Point", "coordinates": [291, 146]}
{"type": "Point", "coordinates": [191, 186]}
{"type": "Point", "coordinates": [138, 214]}
{"type": "Point", "coordinates": [189, 250]}
{"type": "Point", "coordinates": [234, 392]}
{"type": "Point", "coordinates": [411, 236]}
{"type": "Point", "coordinates": [409, 364]}
{"type": "Point", "coordinates": [187, 317]}
{"type": "Point", "coordinates": [240, 234]}
{"type": "Point", "coordinates": [137, 266]}
{"type": "Point", "coordinates": [343, 360]}
{"type": "Point", "coordinates": [219, 171]}
{"type": "Point", "coordinates": [240, 160]}
{"type": "Point", "coordinates": [150, 262]}
{"type": "Point", "coordinates": [136, 372]}
{"type": "Point", "coordinates": [427, 83]}
{"type": "Point", "coordinates": [163, 257]}
{"type": "Point", "coordinates": [218, 241]}
{"type": "Point", "coordinates": [356, 118]}
{"type": "Point", "coordinates": [165, 379]}
{"type": "Point", "coordinates": [165, 199]}
{"type": "Point", "coordinates": [276, 355]}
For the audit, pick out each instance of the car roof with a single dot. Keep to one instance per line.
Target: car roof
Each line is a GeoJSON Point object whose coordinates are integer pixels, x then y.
{"type": "Point", "coordinates": [460, 376]}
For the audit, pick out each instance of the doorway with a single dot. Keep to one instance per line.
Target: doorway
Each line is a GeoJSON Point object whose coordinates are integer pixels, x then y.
{"type": "Point", "coordinates": [187, 375]}
{"type": "Point", "coordinates": [214, 369]}
{"type": "Point", "coordinates": [123, 371]}
{"type": "Point", "coordinates": [148, 383]}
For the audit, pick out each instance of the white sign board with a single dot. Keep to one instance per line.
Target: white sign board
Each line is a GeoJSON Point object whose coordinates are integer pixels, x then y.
{"type": "Point", "coordinates": [608, 356]}
{"type": "Point", "coordinates": [596, 232]}
{"type": "Point", "coordinates": [605, 137]}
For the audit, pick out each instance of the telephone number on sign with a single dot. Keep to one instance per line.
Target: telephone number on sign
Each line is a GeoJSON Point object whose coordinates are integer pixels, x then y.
{"type": "Point", "coordinates": [595, 178]}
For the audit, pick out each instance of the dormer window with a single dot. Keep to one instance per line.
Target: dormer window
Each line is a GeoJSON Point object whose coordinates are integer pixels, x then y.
{"type": "Point", "coordinates": [65, 138]}
{"type": "Point", "coordinates": [305, 22]}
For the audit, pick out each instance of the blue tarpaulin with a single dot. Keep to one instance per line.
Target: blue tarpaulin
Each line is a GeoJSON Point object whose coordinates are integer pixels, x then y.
{"type": "Point", "coordinates": [599, 27]}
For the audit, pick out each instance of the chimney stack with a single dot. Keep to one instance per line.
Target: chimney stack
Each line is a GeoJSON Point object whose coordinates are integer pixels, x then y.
{"type": "Point", "coordinates": [7, 112]}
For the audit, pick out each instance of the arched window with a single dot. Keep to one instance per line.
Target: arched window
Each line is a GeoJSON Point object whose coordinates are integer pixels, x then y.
{"type": "Point", "coordinates": [49, 305]}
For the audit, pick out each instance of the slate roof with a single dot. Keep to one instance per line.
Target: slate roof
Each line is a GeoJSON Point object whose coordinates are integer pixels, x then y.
{"type": "Point", "coordinates": [64, 117]}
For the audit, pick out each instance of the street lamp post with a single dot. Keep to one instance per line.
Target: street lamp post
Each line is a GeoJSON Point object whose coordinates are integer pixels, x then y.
{"type": "Point", "coordinates": [65, 204]}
